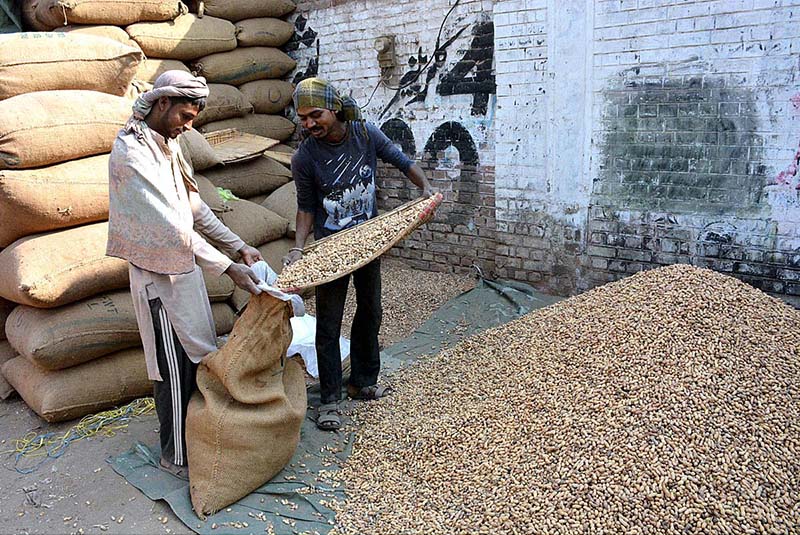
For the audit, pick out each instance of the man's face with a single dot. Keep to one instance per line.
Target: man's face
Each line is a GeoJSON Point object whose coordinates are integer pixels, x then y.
{"type": "Point", "coordinates": [176, 118]}
{"type": "Point", "coordinates": [318, 121]}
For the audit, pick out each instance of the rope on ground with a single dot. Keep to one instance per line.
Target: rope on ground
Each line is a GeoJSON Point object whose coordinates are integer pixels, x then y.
{"type": "Point", "coordinates": [53, 445]}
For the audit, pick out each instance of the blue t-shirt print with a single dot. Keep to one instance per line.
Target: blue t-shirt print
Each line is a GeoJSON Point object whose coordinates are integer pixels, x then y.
{"type": "Point", "coordinates": [355, 202]}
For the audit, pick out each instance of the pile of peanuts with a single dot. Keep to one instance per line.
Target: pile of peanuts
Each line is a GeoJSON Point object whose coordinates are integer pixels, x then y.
{"type": "Point", "coordinates": [668, 402]}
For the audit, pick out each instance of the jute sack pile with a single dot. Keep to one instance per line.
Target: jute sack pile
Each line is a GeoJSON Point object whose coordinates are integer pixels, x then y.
{"type": "Point", "coordinates": [100, 30]}
{"type": "Point", "coordinates": [57, 268]}
{"type": "Point", "coordinates": [115, 12]}
{"type": "Point", "coordinates": [152, 68]}
{"type": "Point", "coordinates": [80, 390]}
{"type": "Point", "coordinates": [185, 38]}
{"type": "Point", "coordinates": [198, 150]}
{"type": "Point", "coordinates": [6, 353]}
{"type": "Point", "coordinates": [37, 61]}
{"type": "Point", "coordinates": [254, 224]}
{"type": "Point", "coordinates": [209, 194]}
{"type": "Point", "coordinates": [244, 65]}
{"type": "Point", "coordinates": [254, 177]}
{"type": "Point", "coordinates": [263, 31]}
{"type": "Point", "coordinates": [268, 96]}
{"type": "Point", "coordinates": [48, 127]}
{"type": "Point", "coordinates": [259, 124]}
{"type": "Point", "coordinates": [283, 201]}
{"type": "Point", "coordinates": [49, 198]}
{"type": "Point", "coordinates": [243, 423]}
{"type": "Point", "coordinates": [224, 101]}
{"type": "Point", "coordinates": [244, 9]}
{"type": "Point", "coordinates": [76, 333]}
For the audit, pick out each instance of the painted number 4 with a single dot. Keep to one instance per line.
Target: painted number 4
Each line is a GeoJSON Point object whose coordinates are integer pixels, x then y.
{"type": "Point", "coordinates": [477, 59]}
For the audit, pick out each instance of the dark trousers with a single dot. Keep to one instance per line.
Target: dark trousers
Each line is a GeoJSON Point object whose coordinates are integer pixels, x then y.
{"type": "Point", "coordinates": [173, 392]}
{"type": "Point", "coordinates": [365, 360]}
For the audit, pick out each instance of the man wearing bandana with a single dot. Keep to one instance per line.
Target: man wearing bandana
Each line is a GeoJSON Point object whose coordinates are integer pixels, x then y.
{"type": "Point", "coordinates": [159, 224]}
{"type": "Point", "coordinates": [334, 171]}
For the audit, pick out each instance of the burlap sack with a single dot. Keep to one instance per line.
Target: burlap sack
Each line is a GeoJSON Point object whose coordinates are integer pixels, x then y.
{"type": "Point", "coordinates": [198, 150]}
{"type": "Point", "coordinates": [244, 65]}
{"type": "Point", "coordinates": [254, 224]}
{"type": "Point", "coordinates": [224, 101]}
{"type": "Point", "coordinates": [224, 317]}
{"type": "Point", "coordinates": [114, 12]}
{"type": "Point", "coordinates": [29, 21]}
{"type": "Point", "coordinates": [209, 194]}
{"type": "Point", "coordinates": [150, 69]}
{"type": "Point", "coordinates": [258, 199]}
{"type": "Point", "coordinates": [185, 38]}
{"type": "Point", "coordinates": [253, 177]}
{"type": "Point", "coordinates": [5, 309]}
{"type": "Point", "coordinates": [102, 30]}
{"type": "Point", "coordinates": [84, 389]}
{"type": "Point", "coordinates": [49, 198]}
{"type": "Point", "coordinates": [73, 334]}
{"type": "Point", "coordinates": [6, 353]}
{"type": "Point", "coordinates": [243, 9]}
{"type": "Point", "coordinates": [259, 124]}
{"type": "Point", "coordinates": [268, 96]}
{"type": "Point", "coordinates": [218, 288]}
{"type": "Point", "coordinates": [243, 423]}
{"type": "Point", "coordinates": [48, 127]}
{"type": "Point", "coordinates": [39, 61]}
{"type": "Point", "coordinates": [283, 201]}
{"type": "Point", "coordinates": [264, 31]}
{"type": "Point", "coordinates": [54, 269]}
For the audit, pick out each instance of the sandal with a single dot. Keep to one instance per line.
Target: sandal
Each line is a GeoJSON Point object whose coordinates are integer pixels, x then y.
{"type": "Point", "coordinates": [328, 417]}
{"type": "Point", "coordinates": [369, 392]}
{"type": "Point", "coordinates": [181, 472]}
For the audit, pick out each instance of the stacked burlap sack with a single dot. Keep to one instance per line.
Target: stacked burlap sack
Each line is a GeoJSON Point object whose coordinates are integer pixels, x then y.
{"type": "Point", "coordinates": [73, 346]}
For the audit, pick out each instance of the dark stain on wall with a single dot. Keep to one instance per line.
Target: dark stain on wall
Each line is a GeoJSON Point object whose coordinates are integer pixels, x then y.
{"type": "Point", "coordinates": [683, 145]}
{"type": "Point", "coordinates": [304, 36]}
{"type": "Point", "coordinates": [477, 58]}
{"type": "Point", "coordinates": [400, 133]}
{"type": "Point", "coordinates": [466, 190]}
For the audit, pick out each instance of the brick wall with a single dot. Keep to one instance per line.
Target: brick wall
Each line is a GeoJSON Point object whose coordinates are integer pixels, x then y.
{"type": "Point", "coordinates": [578, 142]}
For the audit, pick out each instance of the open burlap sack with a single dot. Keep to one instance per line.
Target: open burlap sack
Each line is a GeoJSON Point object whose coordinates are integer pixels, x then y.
{"type": "Point", "coordinates": [259, 124]}
{"type": "Point", "coordinates": [53, 197]}
{"type": "Point", "coordinates": [89, 387]}
{"type": "Point", "coordinates": [66, 336]}
{"type": "Point", "coordinates": [48, 127]}
{"type": "Point", "coordinates": [242, 9]}
{"type": "Point", "coordinates": [243, 423]}
{"type": "Point", "coordinates": [244, 65]}
{"type": "Point", "coordinates": [6, 353]}
{"type": "Point", "coordinates": [283, 201]}
{"type": "Point", "coordinates": [5, 310]}
{"type": "Point", "coordinates": [152, 68]}
{"type": "Point", "coordinates": [58, 268]}
{"type": "Point", "coordinates": [253, 177]}
{"type": "Point", "coordinates": [253, 223]}
{"type": "Point", "coordinates": [185, 38]}
{"type": "Point", "coordinates": [36, 61]}
{"type": "Point", "coordinates": [198, 150]}
{"type": "Point", "coordinates": [263, 31]}
{"type": "Point", "coordinates": [224, 101]}
{"type": "Point", "coordinates": [100, 30]}
{"type": "Point", "coordinates": [114, 12]}
{"type": "Point", "coordinates": [268, 96]}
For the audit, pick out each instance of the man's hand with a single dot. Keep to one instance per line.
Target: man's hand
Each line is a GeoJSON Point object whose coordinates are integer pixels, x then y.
{"type": "Point", "coordinates": [429, 191]}
{"type": "Point", "coordinates": [243, 277]}
{"type": "Point", "coordinates": [250, 255]}
{"type": "Point", "coordinates": [293, 256]}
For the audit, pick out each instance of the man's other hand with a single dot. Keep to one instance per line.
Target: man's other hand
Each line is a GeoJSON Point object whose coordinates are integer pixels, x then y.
{"type": "Point", "coordinates": [292, 257]}
{"type": "Point", "coordinates": [243, 277]}
{"type": "Point", "coordinates": [250, 255]}
{"type": "Point", "coordinates": [429, 192]}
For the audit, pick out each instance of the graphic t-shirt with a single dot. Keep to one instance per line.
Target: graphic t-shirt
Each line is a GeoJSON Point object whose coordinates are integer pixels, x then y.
{"type": "Point", "coordinates": [336, 182]}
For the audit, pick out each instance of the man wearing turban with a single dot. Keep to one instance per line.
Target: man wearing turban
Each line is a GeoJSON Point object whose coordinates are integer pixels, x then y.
{"type": "Point", "coordinates": [334, 171]}
{"type": "Point", "coordinates": [159, 224]}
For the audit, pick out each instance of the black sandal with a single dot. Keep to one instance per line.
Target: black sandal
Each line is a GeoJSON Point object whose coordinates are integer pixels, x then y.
{"type": "Point", "coordinates": [371, 392]}
{"type": "Point", "coordinates": [328, 417]}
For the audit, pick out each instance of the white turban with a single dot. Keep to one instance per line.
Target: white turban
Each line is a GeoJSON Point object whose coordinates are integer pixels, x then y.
{"type": "Point", "coordinates": [168, 84]}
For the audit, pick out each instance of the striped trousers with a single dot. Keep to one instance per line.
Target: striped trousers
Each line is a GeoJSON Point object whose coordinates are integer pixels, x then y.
{"type": "Point", "coordinates": [173, 392]}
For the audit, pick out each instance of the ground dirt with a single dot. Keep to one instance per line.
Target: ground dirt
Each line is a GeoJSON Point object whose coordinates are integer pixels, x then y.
{"type": "Point", "coordinates": [78, 492]}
